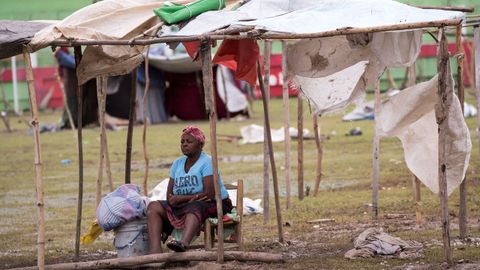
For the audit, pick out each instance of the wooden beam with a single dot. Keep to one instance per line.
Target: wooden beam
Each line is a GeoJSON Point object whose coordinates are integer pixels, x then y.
{"type": "Point", "coordinates": [257, 35]}
{"type": "Point", "coordinates": [376, 150]}
{"type": "Point", "coordinates": [101, 100]}
{"type": "Point", "coordinates": [462, 213]}
{"type": "Point", "coordinates": [266, 157]}
{"type": "Point", "coordinates": [131, 122]}
{"type": "Point", "coordinates": [286, 124]}
{"type": "Point", "coordinates": [318, 171]}
{"type": "Point", "coordinates": [129, 262]}
{"type": "Point", "coordinates": [272, 157]}
{"type": "Point", "coordinates": [207, 73]}
{"type": "Point", "coordinates": [300, 147]}
{"type": "Point", "coordinates": [78, 58]}
{"type": "Point", "coordinates": [462, 9]}
{"type": "Point", "coordinates": [38, 162]}
{"type": "Point", "coordinates": [476, 48]}
{"type": "Point", "coordinates": [411, 81]}
{"type": "Point", "coordinates": [145, 123]}
{"type": "Point", "coordinates": [445, 94]}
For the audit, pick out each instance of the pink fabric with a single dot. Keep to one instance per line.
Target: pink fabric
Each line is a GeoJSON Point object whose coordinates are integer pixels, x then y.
{"type": "Point", "coordinates": [195, 132]}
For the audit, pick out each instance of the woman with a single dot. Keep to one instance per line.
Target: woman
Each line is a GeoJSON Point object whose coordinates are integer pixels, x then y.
{"type": "Point", "coordinates": [190, 196]}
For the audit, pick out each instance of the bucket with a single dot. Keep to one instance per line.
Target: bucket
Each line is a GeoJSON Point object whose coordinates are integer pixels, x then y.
{"type": "Point", "coordinates": [131, 239]}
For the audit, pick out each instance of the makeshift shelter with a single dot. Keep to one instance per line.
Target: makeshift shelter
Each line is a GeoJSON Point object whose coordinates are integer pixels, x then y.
{"type": "Point", "coordinates": [266, 19]}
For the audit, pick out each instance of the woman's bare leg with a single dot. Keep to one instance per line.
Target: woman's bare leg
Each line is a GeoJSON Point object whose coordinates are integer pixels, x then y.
{"type": "Point", "coordinates": [191, 229]}
{"type": "Point", "coordinates": [155, 216]}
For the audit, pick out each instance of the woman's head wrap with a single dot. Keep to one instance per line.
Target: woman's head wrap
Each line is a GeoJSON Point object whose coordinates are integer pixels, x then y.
{"type": "Point", "coordinates": [195, 132]}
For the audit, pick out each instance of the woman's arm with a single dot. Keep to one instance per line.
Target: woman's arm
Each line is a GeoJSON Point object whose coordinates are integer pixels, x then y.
{"type": "Point", "coordinates": [179, 199]}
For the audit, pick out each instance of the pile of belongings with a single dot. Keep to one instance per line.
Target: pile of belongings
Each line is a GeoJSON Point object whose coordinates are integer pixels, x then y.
{"type": "Point", "coordinates": [374, 241]}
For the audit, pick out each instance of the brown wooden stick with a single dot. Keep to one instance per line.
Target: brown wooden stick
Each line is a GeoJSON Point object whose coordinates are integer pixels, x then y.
{"type": "Point", "coordinates": [131, 122]}
{"type": "Point", "coordinates": [145, 122]}
{"type": "Point", "coordinates": [101, 120]}
{"type": "Point", "coordinates": [78, 58]}
{"type": "Point", "coordinates": [462, 212]}
{"type": "Point", "coordinates": [338, 32]}
{"type": "Point", "coordinates": [318, 171]}
{"type": "Point", "coordinates": [65, 102]}
{"type": "Point", "coordinates": [38, 162]}
{"type": "Point", "coordinates": [166, 257]}
{"type": "Point", "coordinates": [476, 44]}
{"type": "Point", "coordinates": [376, 149]}
{"type": "Point", "coordinates": [411, 81]}
{"type": "Point", "coordinates": [445, 95]}
{"type": "Point", "coordinates": [462, 9]}
{"type": "Point", "coordinates": [104, 137]}
{"type": "Point", "coordinates": [266, 157]}
{"type": "Point", "coordinates": [286, 123]}
{"type": "Point", "coordinates": [207, 73]}
{"type": "Point", "coordinates": [300, 147]}
{"type": "Point", "coordinates": [272, 157]}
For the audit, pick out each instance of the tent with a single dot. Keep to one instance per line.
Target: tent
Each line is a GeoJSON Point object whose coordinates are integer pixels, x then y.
{"type": "Point", "coordinates": [352, 24]}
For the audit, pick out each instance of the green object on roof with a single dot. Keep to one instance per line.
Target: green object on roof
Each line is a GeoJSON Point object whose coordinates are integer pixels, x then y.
{"type": "Point", "coordinates": [173, 13]}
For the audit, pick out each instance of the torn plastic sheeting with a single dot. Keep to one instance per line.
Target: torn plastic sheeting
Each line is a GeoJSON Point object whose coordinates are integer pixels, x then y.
{"type": "Point", "coordinates": [105, 20]}
{"type": "Point", "coordinates": [410, 115]}
{"type": "Point", "coordinates": [335, 92]}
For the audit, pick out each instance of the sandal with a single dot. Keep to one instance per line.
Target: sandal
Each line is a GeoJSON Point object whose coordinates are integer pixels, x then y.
{"type": "Point", "coordinates": [176, 246]}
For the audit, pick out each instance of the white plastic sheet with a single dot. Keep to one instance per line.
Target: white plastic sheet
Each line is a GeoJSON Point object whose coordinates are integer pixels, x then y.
{"type": "Point", "coordinates": [410, 115]}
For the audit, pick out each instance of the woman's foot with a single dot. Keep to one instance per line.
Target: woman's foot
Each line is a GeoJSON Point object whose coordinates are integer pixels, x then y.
{"type": "Point", "coordinates": [176, 246]}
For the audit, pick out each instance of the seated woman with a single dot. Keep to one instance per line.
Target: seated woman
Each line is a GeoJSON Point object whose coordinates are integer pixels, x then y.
{"type": "Point", "coordinates": [190, 196]}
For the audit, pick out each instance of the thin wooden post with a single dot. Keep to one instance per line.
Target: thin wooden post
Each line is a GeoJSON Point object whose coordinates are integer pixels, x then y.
{"type": "Point", "coordinates": [266, 157]}
{"type": "Point", "coordinates": [272, 157]}
{"type": "Point", "coordinates": [286, 124]}
{"type": "Point", "coordinates": [411, 81]}
{"type": "Point", "coordinates": [476, 45]}
{"type": "Point", "coordinates": [65, 102]}
{"type": "Point", "coordinates": [300, 147]}
{"type": "Point", "coordinates": [318, 174]}
{"type": "Point", "coordinates": [376, 149]}
{"type": "Point", "coordinates": [104, 137]}
{"type": "Point", "coordinates": [441, 113]}
{"type": "Point", "coordinates": [206, 51]}
{"type": "Point", "coordinates": [101, 119]}
{"type": "Point", "coordinates": [78, 58]}
{"type": "Point", "coordinates": [38, 163]}
{"type": "Point", "coordinates": [145, 122]}
{"type": "Point", "coordinates": [131, 122]}
{"type": "Point", "coordinates": [462, 213]}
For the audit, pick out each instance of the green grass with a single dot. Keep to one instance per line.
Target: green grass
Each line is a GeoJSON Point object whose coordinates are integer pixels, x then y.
{"type": "Point", "coordinates": [345, 189]}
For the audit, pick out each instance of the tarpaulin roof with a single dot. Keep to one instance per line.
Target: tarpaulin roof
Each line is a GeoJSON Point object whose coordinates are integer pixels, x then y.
{"type": "Point", "coordinates": [15, 34]}
{"type": "Point", "coordinates": [315, 16]}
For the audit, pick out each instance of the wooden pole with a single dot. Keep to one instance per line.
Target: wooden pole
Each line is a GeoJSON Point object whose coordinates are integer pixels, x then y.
{"type": "Point", "coordinates": [78, 58]}
{"type": "Point", "coordinates": [272, 157]}
{"type": "Point", "coordinates": [318, 176]}
{"type": "Point", "coordinates": [38, 163]}
{"type": "Point", "coordinates": [101, 97]}
{"type": "Point", "coordinates": [441, 113]}
{"type": "Point", "coordinates": [131, 122]}
{"type": "Point", "coordinates": [65, 102]}
{"type": "Point", "coordinates": [286, 124]}
{"type": "Point", "coordinates": [462, 213]}
{"type": "Point", "coordinates": [266, 157]}
{"type": "Point", "coordinates": [104, 137]}
{"type": "Point", "coordinates": [207, 73]}
{"type": "Point", "coordinates": [376, 149]}
{"type": "Point", "coordinates": [476, 45]}
{"type": "Point", "coordinates": [131, 262]}
{"type": "Point", "coordinates": [145, 122]}
{"type": "Point", "coordinates": [300, 146]}
{"type": "Point", "coordinates": [411, 81]}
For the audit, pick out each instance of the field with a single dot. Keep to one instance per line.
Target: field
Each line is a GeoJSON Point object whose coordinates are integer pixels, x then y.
{"type": "Point", "coordinates": [345, 192]}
